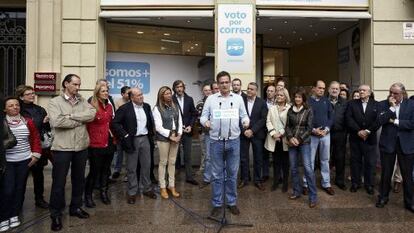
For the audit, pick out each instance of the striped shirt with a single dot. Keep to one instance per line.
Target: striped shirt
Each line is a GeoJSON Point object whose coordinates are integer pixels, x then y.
{"type": "Point", "coordinates": [22, 150]}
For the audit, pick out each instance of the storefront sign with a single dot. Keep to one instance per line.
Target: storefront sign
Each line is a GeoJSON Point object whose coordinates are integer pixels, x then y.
{"type": "Point", "coordinates": [45, 83]}
{"type": "Point", "coordinates": [132, 74]}
{"type": "Point", "coordinates": [408, 31]}
{"type": "Point", "coordinates": [325, 3]}
{"type": "Point", "coordinates": [235, 35]}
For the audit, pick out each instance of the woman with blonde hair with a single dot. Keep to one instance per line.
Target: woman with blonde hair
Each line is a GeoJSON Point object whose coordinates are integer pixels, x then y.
{"type": "Point", "coordinates": [168, 126]}
{"type": "Point", "coordinates": [276, 139]}
{"type": "Point", "coordinates": [101, 148]}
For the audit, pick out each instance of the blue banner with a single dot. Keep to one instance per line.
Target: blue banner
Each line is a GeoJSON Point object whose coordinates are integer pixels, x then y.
{"type": "Point", "coordinates": [132, 74]}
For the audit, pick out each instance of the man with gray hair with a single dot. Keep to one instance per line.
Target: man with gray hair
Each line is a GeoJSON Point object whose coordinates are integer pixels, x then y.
{"type": "Point", "coordinates": [397, 136]}
{"type": "Point", "coordinates": [338, 133]}
{"type": "Point", "coordinates": [361, 118]}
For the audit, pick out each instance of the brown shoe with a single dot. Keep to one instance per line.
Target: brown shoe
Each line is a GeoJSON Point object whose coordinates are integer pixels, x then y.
{"type": "Point", "coordinates": [164, 193]}
{"type": "Point", "coordinates": [312, 205]}
{"type": "Point", "coordinates": [174, 193]}
{"type": "Point", "coordinates": [329, 190]}
{"type": "Point", "coordinates": [131, 199]}
{"type": "Point", "coordinates": [260, 186]}
{"type": "Point", "coordinates": [397, 187]}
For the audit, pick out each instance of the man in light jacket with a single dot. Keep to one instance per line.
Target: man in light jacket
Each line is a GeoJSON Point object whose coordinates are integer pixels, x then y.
{"type": "Point", "coordinates": [69, 113]}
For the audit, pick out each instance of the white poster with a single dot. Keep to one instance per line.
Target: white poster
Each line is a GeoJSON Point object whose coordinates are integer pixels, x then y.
{"type": "Point", "coordinates": [408, 31]}
{"type": "Point", "coordinates": [157, 3]}
{"type": "Point", "coordinates": [151, 71]}
{"type": "Point", "coordinates": [349, 3]}
{"type": "Point", "coordinates": [235, 35]}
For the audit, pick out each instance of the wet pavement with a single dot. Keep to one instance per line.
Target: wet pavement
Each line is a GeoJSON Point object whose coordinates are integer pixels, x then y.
{"type": "Point", "coordinates": [268, 211]}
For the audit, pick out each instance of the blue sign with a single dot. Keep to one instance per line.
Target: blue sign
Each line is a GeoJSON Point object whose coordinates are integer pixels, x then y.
{"type": "Point", "coordinates": [235, 47]}
{"type": "Point", "coordinates": [132, 74]}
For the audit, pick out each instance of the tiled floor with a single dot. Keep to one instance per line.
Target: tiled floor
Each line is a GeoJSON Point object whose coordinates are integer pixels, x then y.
{"type": "Point", "coordinates": [268, 211]}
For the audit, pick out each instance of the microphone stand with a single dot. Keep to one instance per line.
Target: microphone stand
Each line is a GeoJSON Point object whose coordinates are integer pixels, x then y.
{"type": "Point", "coordinates": [223, 221]}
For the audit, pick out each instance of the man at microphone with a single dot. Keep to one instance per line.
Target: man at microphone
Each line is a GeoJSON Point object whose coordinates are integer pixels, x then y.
{"type": "Point", "coordinates": [222, 114]}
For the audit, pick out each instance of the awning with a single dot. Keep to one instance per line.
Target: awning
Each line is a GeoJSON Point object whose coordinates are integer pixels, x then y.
{"type": "Point", "coordinates": [155, 13]}
{"type": "Point", "coordinates": [314, 14]}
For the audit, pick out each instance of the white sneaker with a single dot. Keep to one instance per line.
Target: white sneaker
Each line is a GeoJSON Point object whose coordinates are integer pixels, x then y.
{"type": "Point", "coordinates": [4, 226]}
{"type": "Point", "coordinates": [14, 222]}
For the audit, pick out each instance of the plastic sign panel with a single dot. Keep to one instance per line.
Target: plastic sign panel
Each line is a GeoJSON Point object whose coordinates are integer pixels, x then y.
{"type": "Point", "coordinates": [225, 113]}
{"type": "Point", "coordinates": [132, 74]}
{"type": "Point", "coordinates": [325, 3]}
{"type": "Point", "coordinates": [235, 35]}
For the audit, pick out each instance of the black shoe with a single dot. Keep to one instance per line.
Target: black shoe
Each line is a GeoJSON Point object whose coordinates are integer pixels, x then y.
{"type": "Point", "coordinates": [116, 175]}
{"type": "Point", "coordinates": [204, 184]}
{"type": "Point", "coordinates": [56, 224]}
{"type": "Point", "coordinates": [80, 213]}
{"type": "Point", "coordinates": [354, 188]}
{"type": "Point", "coordinates": [242, 184]}
{"type": "Point", "coordinates": [150, 194]}
{"type": "Point", "coordinates": [215, 213]}
{"type": "Point", "coordinates": [89, 201]}
{"type": "Point", "coordinates": [341, 186]}
{"type": "Point", "coordinates": [381, 202]}
{"type": "Point", "coordinates": [305, 191]}
{"type": "Point", "coordinates": [233, 209]}
{"type": "Point", "coordinates": [274, 186]}
{"type": "Point", "coordinates": [42, 204]}
{"type": "Point", "coordinates": [259, 186]}
{"type": "Point", "coordinates": [154, 181]}
{"type": "Point", "coordinates": [370, 190]}
{"type": "Point", "coordinates": [265, 178]}
{"type": "Point", "coordinates": [193, 182]}
{"type": "Point", "coordinates": [104, 197]}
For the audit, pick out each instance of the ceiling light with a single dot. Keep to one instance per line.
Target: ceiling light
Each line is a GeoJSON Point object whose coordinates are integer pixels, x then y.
{"type": "Point", "coordinates": [285, 21]}
{"type": "Point", "coordinates": [170, 41]}
{"type": "Point", "coordinates": [188, 21]}
{"type": "Point", "coordinates": [196, 44]}
{"type": "Point", "coordinates": [316, 34]}
{"type": "Point", "coordinates": [310, 25]}
{"type": "Point", "coordinates": [300, 38]}
{"type": "Point", "coordinates": [140, 32]}
{"type": "Point", "coordinates": [188, 50]}
{"type": "Point", "coordinates": [280, 37]}
{"type": "Point", "coordinates": [167, 34]}
{"type": "Point", "coordinates": [294, 32]}
{"type": "Point", "coordinates": [333, 28]}
{"type": "Point", "coordinates": [191, 47]}
{"type": "Point", "coordinates": [270, 29]}
{"type": "Point", "coordinates": [287, 42]}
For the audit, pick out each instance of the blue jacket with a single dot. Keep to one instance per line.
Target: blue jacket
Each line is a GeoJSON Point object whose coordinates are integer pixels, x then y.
{"type": "Point", "coordinates": [404, 131]}
{"type": "Point", "coordinates": [323, 115]}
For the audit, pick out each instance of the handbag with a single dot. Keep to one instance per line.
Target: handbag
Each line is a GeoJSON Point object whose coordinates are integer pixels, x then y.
{"type": "Point", "coordinates": [46, 139]}
{"type": "Point", "coordinates": [9, 140]}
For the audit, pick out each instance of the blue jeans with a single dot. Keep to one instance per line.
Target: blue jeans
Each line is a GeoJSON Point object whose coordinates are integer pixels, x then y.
{"type": "Point", "coordinates": [304, 150]}
{"type": "Point", "coordinates": [118, 158]}
{"type": "Point", "coordinates": [324, 144]}
{"type": "Point", "coordinates": [207, 160]}
{"type": "Point", "coordinates": [231, 163]}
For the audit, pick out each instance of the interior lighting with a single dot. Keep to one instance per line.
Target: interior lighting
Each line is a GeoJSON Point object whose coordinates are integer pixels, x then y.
{"type": "Point", "coordinates": [167, 34]}
{"type": "Point", "coordinates": [140, 32]}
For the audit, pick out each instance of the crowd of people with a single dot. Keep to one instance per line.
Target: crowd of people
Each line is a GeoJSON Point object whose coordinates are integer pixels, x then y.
{"type": "Point", "coordinates": [313, 128]}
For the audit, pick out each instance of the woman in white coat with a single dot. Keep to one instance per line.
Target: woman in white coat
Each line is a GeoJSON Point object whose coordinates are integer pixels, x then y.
{"type": "Point", "coordinates": [276, 141]}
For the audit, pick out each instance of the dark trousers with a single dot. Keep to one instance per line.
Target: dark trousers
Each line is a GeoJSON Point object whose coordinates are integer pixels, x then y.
{"type": "Point", "coordinates": [338, 151]}
{"type": "Point", "coordinates": [280, 164]}
{"type": "Point", "coordinates": [152, 148]}
{"type": "Point", "coordinates": [257, 145]}
{"type": "Point", "coordinates": [186, 141]}
{"type": "Point", "coordinates": [406, 162]}
{"type": "Point", "coordinates": [266, 162]}
{"type": "Point", "coordinates": [100, 160]}
{"type": "Point", "coordinates": [363, 157]}
{"type": "Point", "coordinates": [62, 161]}
{"type": "Point", "coordinates": [13, 188]}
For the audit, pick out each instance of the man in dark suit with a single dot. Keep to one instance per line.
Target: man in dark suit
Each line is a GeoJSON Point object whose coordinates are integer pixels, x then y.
{"type": "Point", "coordinates": [189, 116]}
{"type": "Point", "coordinates": [254, 134]}
{"type": "Point", "coordinates": [397, 139]}
{"type": "Point", "coordinates": [2, 152]}
{"type": "Point", "coordinates": [338, 133]}
{"type": "Point", "coordinates": [132, 125]}
{"type": "Point", "coordinates": [236, 86]}
{"type": "Point", "coordinates": [361, 118]}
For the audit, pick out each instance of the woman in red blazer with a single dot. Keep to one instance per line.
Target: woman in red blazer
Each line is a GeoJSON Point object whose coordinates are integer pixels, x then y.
{"type": "Point", "coordinates": [19, 159]}
{"type": "Point", "coordinates": [101, 148]}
